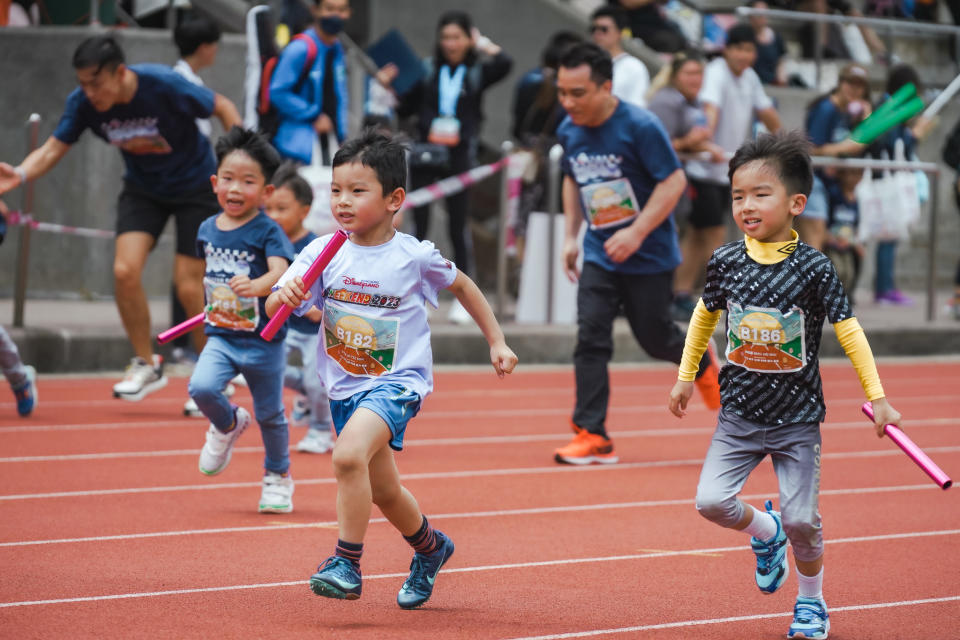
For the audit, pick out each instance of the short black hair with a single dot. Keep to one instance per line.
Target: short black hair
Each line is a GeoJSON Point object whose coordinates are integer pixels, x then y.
{"type": "Point", "coordinates": [386, 156]}
{"type": "Point", "coordinates": [193, 32]}
{"type": "Point", "coordinates": [741, 33]}
{"type": "Point", "coordinates": [288, 177]}
{"type": "Point", "coordinates": [901, 75]}
{"type": "Point", "coordinates": [615, 12]}
{"type": "Point", "coordinates": [101, 52]}
{"type": "Point", "coordinates": [787, 153]}
{"type": "Point", "coordinates": [254, 145]}
{"type": "Point", "coordinates": [558, 43]}
{"type": "Point", "coordinates": [599, 61]}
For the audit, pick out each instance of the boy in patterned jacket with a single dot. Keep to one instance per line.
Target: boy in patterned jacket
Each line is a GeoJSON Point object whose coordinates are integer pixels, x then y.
{"type": "Point", "coordinates": [777, 292]}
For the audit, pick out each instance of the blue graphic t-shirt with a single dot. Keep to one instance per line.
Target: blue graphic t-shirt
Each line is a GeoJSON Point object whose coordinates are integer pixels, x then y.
{"type": "Point", "coordinates": [242, 251]}
{"type": "Point", "coordinates": [164, 152]}
{"type": "Point", "coordinates": [616, 167]}
{"type": "Point", "coordinates": [297, 323]}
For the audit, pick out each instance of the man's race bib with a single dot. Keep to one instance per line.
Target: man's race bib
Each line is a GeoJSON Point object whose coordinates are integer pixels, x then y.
{"type": "Point", "coordinates": [227, 310]}
{"type": "Point", "coordinates": [609, 204]}
{"type": "Point", "coordinates": [361, 345]}
{"type": "Point", "coordinates": [444, 130]}
{"type": "Point", "coordinates": [765, 340]}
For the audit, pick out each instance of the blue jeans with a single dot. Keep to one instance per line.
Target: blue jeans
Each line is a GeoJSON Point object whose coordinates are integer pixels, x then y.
{"type": "Point", "coordinates": [886, 260]}
{"type": "Point", "coordinates": [304, 379]}
{"type": "Point", "coordinates": [262, 364]}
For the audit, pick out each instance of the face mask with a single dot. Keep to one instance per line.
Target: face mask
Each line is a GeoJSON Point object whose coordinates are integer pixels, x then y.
{"type": "Point", "coordinates": [331, 25]}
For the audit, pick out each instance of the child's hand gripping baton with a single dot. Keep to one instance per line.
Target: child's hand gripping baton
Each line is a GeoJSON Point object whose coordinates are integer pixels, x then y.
{"type": "Point", "coordinates": [313, 272]}
{"type": "Point", "coordinates": [914, 452]}
{"type": "Point", "coordinates": [182, 328]}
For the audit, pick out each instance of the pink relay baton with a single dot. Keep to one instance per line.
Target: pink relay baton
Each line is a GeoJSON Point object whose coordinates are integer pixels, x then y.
{"type": "Point", "coordinates": [182, 328]}
{"type": "Point", "coordinates": [313, 272]}
{"type": "Point", "coordinates": [914, 452]}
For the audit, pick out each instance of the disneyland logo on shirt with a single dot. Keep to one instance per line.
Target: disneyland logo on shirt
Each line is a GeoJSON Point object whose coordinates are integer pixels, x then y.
{"type": "Point", "coordinates": [235, 261]}
{"type": "Point", "coordinates": [589, 167]}
{"type": "Point", "coordinates": [136, 135]}
{"type": "Point", "coordinates": [372, 284]}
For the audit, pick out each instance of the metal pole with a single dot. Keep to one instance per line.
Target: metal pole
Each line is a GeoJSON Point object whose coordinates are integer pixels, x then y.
{"type": "Point", "coordinates": [23, 248]}
{"type": "Point", "coordinates": [94, 13]}
{"type": "Point", "coordinates": [505, 150]}
{"type": "Point", "coordinates": [932, 250]}
{"type": "Point", "coordinates": [553, 207]}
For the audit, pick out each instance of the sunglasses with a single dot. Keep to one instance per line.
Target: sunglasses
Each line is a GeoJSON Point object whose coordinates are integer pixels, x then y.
{"type": "Point", "coordinates": [602, 28]}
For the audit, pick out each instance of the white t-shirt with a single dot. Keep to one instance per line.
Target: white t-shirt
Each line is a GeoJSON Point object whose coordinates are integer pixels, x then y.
{"type": "Point", "coordinates": [630, 79]}
{"type": "Point", "coordinates": [184, 69]}
{"type": "Point", "coordinates": [374, 313]}
{"type": "Point", "coordinates": [737, 100]}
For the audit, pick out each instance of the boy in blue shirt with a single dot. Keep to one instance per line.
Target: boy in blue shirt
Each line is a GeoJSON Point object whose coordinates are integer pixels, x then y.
{"type": "Point", "coordinates": [245, 253]}
{"type": "Point", "coordinates": [289, 206]}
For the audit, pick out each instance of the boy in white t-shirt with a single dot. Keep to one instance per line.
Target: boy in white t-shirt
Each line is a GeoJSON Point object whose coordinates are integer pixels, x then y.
{"type": "Point", "coordinates": [375, 359]}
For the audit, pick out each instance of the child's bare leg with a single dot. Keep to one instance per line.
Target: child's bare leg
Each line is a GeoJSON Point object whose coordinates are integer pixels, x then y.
{"type": "Point", "coordinates": [810, 568]}
{"type": "Point", "coordinates": [393, 499]}
{"type": "Point", "coordinates": [364, 435]}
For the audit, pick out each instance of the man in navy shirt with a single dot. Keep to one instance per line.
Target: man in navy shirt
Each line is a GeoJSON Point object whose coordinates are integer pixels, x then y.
{"type": "Point", "coordinates": [148, 112]}
{"type": "Point", "coordinates": [622, 176]}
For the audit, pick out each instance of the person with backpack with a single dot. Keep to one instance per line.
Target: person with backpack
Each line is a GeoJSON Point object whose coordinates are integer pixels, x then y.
{"type": "Point", "coordinates": [447, 103]}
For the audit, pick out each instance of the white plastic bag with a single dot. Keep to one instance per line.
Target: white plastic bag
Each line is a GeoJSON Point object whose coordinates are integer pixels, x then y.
{"type": "Point", "coordinates": [907, 190]}
{"type": "Point", "coordinates": [881, 209]}
{"type": "Point", "coordinates": [320, 220]}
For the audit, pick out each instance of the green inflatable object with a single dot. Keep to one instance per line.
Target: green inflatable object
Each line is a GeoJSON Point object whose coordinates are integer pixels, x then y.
{"type": "Point", "coordinates": [882, 121]}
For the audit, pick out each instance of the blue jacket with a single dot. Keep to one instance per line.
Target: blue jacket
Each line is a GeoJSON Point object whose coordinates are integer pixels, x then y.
{"type": "Point", "coordinates": [297, 110]}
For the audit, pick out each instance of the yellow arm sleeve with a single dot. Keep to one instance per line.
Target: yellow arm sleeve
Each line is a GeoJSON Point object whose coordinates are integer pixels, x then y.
{"type": "Point", "coordinates": [854, 342]}
{"type": "Point", "coordinates": [702, 324]}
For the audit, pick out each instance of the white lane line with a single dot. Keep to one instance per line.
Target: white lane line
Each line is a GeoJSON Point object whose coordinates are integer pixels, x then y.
{"type": "Point", "coordinates": [497, 567]}
{"type": "Point", "coordinates": [756, 616]}
{"type": "Point", "coordinates": [450, 516]}
{"type": "Point", "coordinates": [469, 441]}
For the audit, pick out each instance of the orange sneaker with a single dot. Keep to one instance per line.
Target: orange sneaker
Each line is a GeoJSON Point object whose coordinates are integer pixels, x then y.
{"type": "Point", "coordinates": [709, 382]}
{"type": "Point", "coordinates": [586, 448]}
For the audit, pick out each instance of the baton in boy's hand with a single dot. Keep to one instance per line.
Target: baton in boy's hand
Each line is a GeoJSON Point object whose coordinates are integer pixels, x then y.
{"type": "Point", "coordinates": [313, 272]}
{"type": "Point", "coordinates": [914, 452]}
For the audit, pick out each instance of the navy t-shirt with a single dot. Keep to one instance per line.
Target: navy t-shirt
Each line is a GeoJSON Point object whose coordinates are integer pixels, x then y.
{"type": "Point", "coordinates": [826, 123]}
{"type": "Point", "coordinates": [298, 323]}
{"type": "Point", "coordinates": [164, 152]}
{"type": "Point", "coordinates": [616, 167]}
{"type": "Point", "coordinates": [242, 251]}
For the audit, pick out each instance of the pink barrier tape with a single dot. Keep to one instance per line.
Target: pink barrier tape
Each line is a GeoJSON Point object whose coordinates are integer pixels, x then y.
{"type": "Point", "coordinates": [25, 219]}
{"type": "Point", "coordinates": [313, 272]}
{"type": "Point", "coordinates": [914, 452]}
{"type": "Point", "coordinates": [453, 184]}
{"type": "Point", "coordinates": [182, 328]}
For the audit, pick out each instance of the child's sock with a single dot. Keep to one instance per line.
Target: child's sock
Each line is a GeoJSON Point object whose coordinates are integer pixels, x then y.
{"type": "Point", "coordinates": [763, 526]}
{"type": "Point", "coordinates": [811, 586]}
{"type": "Point", "coordinates": [350, 550]}
{"type": "Point", "coordinates": [425, 539]}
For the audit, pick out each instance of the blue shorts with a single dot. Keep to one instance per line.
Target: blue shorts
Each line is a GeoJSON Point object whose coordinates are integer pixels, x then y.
{"type": "Point", "coordinates": [393, 402]}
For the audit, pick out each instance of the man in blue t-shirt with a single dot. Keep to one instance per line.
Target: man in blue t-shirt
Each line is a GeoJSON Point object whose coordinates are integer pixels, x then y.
{"type": "Point", "coordinates": [148, 112]}
{"type": "Point", "coordinates": [622, 176]}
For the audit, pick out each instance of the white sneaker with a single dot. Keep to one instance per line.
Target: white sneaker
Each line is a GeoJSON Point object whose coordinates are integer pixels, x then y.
{"type": "Point", "coordinates": [140, 379]}
{"type": "Point", "coordinates": [217, 450]}
{"type": "Point", "coordinates": [277, 493]}
{"type": "Point", "coordinates": [240, 380]}
{"type": "Point", "coordinates": [458, 314]}
{"type": "Point", "coordinates": [316, 441]}
{"type": "Point", "coordinates": [300, 412]}
{"type": "Point", "coordinates": [191, 409]}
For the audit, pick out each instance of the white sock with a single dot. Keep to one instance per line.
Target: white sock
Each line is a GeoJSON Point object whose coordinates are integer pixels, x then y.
{"type": "Point", "coordinates": [811, 586]}
{"type": "Point", "coordinates": [763, 526]}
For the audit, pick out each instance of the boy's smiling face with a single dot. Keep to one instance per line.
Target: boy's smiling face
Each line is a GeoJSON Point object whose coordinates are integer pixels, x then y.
{"type": "Point", "coordinates": [284, 209]}
{"type": "Point", "coordinates": [360, 205]}
{"type": "Point", "coordinates": [762, 208]}
{"type": "Point", "coordinates": [240, 185]}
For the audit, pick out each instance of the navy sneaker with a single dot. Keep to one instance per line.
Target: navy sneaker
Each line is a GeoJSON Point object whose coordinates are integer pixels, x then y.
{"type": "Point", "coordinates": [423, 573]}
{"type": "Point", "coordinates": [810, 619]}
{"type": "Point", "coordinates": [27, 393]}
{"type": "Point", "coordinates": [772, 565]}
{"type": "Point", "coordinates": [337, 577]}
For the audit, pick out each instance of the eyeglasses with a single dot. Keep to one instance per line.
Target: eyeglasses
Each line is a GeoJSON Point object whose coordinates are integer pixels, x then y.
{"type": "Point", "coordinates": [602, 28]}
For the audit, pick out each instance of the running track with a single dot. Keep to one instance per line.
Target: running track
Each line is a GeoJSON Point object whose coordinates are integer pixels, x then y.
{"type": "Point", "coordinates": [107, 529]}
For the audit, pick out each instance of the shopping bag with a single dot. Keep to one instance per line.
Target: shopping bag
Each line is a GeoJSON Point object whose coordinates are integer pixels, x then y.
{"type": "Point", "coordinates": [320, 220]}
{"type": "Point", "coordinates": [881, 208]}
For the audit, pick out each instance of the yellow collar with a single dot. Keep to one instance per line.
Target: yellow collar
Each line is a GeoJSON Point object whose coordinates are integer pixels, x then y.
{"type": "Point", "coordinates": [770, 252]}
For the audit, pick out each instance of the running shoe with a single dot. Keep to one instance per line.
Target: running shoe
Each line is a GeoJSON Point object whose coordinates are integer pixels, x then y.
{"type": "Point", "coordinates": [316, 441]}
{"type": "Point", "coordinates": [140, 379]}
{"type": "Point", "coordinates": [216, 452]}
{"type": "Point", "coordinates": [423, 573]}
{"type": "Point", "coordinates": [300, 412]}
{"type": "Point", "coordinates": [587, 448]}
{"type": "Point", "coordinates": [895, 297]}
{"type": "Point", "coordinates": [810, 619]}
{"type": "Point", "coordinates": [338, 578]}
{"type": "Point", "coordinates": [772, 565]}
{"type": "Point", "coordinates": [709, 382]}
{"type": "Point", "coordinates": [26, 393]}
{"type": "Point", "coordinates": [277, 493]}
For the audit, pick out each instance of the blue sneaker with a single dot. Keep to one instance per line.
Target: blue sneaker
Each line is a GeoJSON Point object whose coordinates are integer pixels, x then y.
{"type": "Point", "coordinates": [27, 393]}
{"type": "Point", "coordinates": [337, 577]}
{"type": "Point", "coordinates": [423, 572]}
{"type": "Point", "coordinates": [810, 619]}
{"type": "Point", "coordinates": [772, 565]}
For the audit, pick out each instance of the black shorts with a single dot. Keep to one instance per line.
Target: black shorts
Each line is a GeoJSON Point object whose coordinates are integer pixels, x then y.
{"type": "Point", "coordinates": [710, 204]}
{"type": "Point", "coordinates": [138, 210]}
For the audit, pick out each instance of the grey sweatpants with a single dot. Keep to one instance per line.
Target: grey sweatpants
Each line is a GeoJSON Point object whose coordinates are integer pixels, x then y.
{"type": "Point", "coordinates": [10, 362]}
{"type": "Point", "coordinates": [738, 446]}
